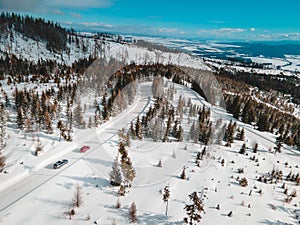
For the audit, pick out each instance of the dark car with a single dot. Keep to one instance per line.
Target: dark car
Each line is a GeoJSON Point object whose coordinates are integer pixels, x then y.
{"type": "Point", "coordinates": [60, 163]}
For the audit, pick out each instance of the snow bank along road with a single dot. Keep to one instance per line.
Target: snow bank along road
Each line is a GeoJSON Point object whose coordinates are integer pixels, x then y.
{"type": "Point", "coordinates": [96, 138]}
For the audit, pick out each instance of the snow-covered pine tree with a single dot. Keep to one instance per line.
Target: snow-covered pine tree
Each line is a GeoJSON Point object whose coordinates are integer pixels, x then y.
{"type": "Point", "coordinates": [193, 209]}
{"type": "Point", "coordinates": [90, 123]}
{"type": "Point", "coordinates": [157, 87]}
{"type": "Point", "coordinates": [243, 149]}
{"type": "Point", "coordinates": [166, 197]}
{"type": "Point", "coordinates": [132, 213]}
{"type": "Point", "coordinates": [2, 126]}
{"type": "Point", "coordinates": [138, 128]}
{"type": "Point", "coordinates": [183, 175]}
{"type": "Point", "coordinates": [105, 114]}
{"type": "Point", "coordinates": [48, 123]}
{"type": "Point", "coordinates": [115, 175]}
{"type": "Point", "coordinates": [229, 133]}
{"type": "Point", "coordinates": [2, 162]}
{"type": "Point", "coordinates": [20, 118]}
{"type": "Point", "coordinates": [78, 115]}
{"type": "Point", "coordinates": [179, 134]}
{"type": "Point", "coordinates": [278, 146]}
{"type": "Point", "coordinates": [241, 135]}
{"type": "Point", "coordinates": [255, 147]}
{"type": "Point", "coordinates": [128, 172]}
{"type": "Point", "coordinates": [126, 165]}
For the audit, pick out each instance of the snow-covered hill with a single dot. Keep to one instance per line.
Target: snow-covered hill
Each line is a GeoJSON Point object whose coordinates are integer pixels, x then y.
{"type": "Point", "coordinates": [89, 45]}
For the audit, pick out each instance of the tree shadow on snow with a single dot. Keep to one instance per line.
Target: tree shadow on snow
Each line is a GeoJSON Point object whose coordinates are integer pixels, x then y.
{"type": "Point", "coordinates": [143, 217]}
{"type": "Point", "coordinates": [53, 202]}
{"type": "Point", "coordinates": [91, 181]}
{"type": "Point", "coordinates": [99, 161]}
{"type": "Point", "coordinates": [278, 222]}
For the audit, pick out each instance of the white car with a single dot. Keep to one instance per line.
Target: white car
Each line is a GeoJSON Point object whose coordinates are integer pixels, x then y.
{"type": "Point", "coordinates": [60, 163]}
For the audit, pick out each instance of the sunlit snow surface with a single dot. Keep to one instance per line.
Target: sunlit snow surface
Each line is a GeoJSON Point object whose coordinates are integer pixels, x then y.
{"type": "Point", "coordinates": [32, 192]}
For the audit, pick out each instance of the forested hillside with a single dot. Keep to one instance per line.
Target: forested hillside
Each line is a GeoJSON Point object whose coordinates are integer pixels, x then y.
{"type": "Point", "coordinates": [37, 29]}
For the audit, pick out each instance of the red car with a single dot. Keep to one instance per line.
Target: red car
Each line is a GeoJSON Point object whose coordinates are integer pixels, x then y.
{"type": "Point", "coordinates": [84, 148]}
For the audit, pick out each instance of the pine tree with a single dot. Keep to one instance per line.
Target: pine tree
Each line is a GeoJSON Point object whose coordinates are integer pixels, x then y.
{"type": "Point", "coordinates": [235, 107]}
{"type": "Point", "coordinates": [20, 118]}
{"type": "Point", "coordinates": [138, 129]}
{"type": "Point", "coordinates": [115, 174]}
{"type": "Point", "coordinates": [229, 133]}
{"type": "Point", "coordinates": [48, 123]}
{"type": "Point", "coordinates": [126, 165]}
{"type": "Point", "coordinates": [2, 125]}
{"type": "Point", "coordinates": [132, 213]}
{"type": "Point", "coordinates": [2, 162]}
{"type": "Point", "coordinates": [166, 197]}
{"type": "Point", "coordinates": [167, 128]}
{"type": "Point", "coordinates": [124, 138]}
{"type": "Point", "coordinates": [96, 118]}
{"type": "Point", "coordinates": [62, 130]}
{"type": "Point", "coordinates": [193, 209]}
{"type": "Point", "coordinates": [278, 146]}
{"type": "Point", "coordinates": [78, 115]}
{"type": "Point", "coordinates": [183, 175]}
{"type": "Point", "coordinates": [122, 151]}
{"type": "Point", "coordinates": [121, 191]}
{"type": "Point", "coordinates": [248, 113]}
{"type": "Point", "coordinates": [118, 204]}
{"type": "Point", "coordinates": [77, 200]}
{"type": "Point", "coordinates": [69, 113]}
{"type": "Point", "coordinates": [255, 147]}
{"type": "Point", "coordinates": [262, 122]}
{"type": "Point", "coordinates": [157, 87]}
{"type": "Point", "coordinates": [128, 172]}
{"type": "Point", "coordinates": [90, 123]}
{"type": "Point", "coordinates": [105, 115]}
{"type": "Point", "coordinates": [241, 135]}
{"type": "Point", "coordinates": [179, 135]}
{"type": "Point", "coordinates": [243, 149]}
{"type": "Point", "coordinates": [132, 130]}
{"type": "Point", "coordinates": [192, 131]}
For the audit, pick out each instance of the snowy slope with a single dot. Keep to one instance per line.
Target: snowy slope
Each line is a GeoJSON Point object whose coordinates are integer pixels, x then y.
{"type": "Point", "coordinates": [46, 193]}
{"type": "Point", "coordinates": [27, 48]}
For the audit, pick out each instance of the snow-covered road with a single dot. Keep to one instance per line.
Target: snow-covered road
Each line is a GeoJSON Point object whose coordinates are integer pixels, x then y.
{"type": "Point", "coordinates": [96, 138]}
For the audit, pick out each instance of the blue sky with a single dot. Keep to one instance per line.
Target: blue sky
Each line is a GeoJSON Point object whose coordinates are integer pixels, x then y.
{"type": "Point", "coordinates": [221, 19]}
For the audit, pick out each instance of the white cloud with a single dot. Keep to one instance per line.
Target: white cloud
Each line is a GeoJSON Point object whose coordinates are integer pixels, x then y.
{"type": "Point", "coordinates": [230, 30]}
{"type": "Point", "coordinates": [167, 30]}
{"type": "Point", "coordinates": [58, 12]}
{"type": "Point", "coordinates": [80, 3]}
{"type": "Point", "coordinates": [220, 32]}
{"type": "Point", "coordinates": [288, 36]}
{"type": "Point", "coordinates": [264, 36]}
{"type": "Point", "coordinates": [279, 36]}
{"type": "Point", "coordinates": [252, 29]}
{"type": "Point", "coordinates": [97, 25]}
